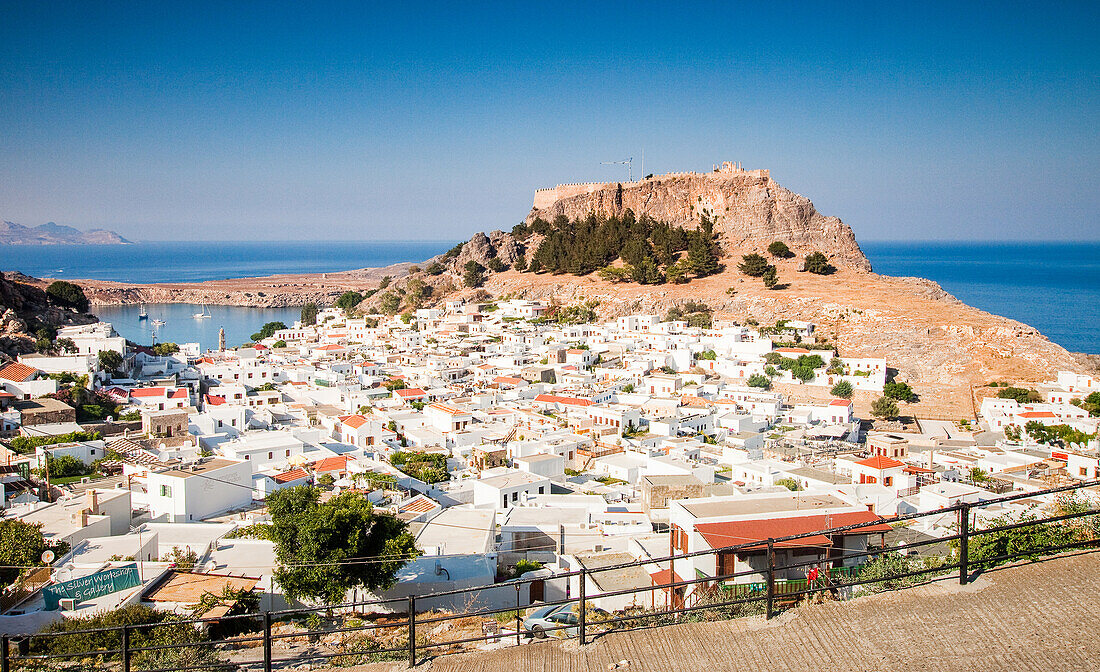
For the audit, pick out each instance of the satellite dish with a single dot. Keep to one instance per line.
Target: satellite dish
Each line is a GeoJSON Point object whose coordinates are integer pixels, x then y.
{"type": "Point", "coordinates": [48, 556]}
{"type": "Point", "coordinates": [210, 566]}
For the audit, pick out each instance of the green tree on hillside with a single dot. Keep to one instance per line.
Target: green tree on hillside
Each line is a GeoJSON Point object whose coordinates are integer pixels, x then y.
{"type": "Point", "coordinates": [757, 380]}
{"type": "Point", "coordinates": [389, 303]}
{"type": "Point", "coordinates": [770, 277]}
{"type": "Point", "coordinates": [753, 265]}
{"type": "Point", "coordinates": [309, 314]}
{"type": "Point", "coordinates": [818, 264]}
{"type": "Point", "coordinates": [843, 389]}
{"type": "Point", "coordinates": [899, 391]}
{"type": "Point", "coordinates": [474, 275]}
{"type": "Point", "coordinates": [348, 301]}
{"type": "Point", "coordinates": [1021, 394]}
{"type": "Point", "coordinates": [884, 407]}
{"type": "Point", "coordinates": [67, 294]}
{"type": "Point", "coordinates": [780, 250]}
{"type": "Point", "coordinates": [326, 548]}
{"type": "Point", "coordinates": [267, 331]}
{"type": "Point", "coordinates": [702, 257]}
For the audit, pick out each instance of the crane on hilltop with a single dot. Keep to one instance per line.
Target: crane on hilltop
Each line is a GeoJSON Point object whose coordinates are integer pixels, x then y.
{"type": "Point", "coordinates": [629, 163]}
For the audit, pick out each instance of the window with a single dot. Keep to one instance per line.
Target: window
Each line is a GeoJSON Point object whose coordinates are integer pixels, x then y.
{"type": "Point", "coordinates": [270, 455]}
{"type": "Point", "coordinates": [541, 488]}
{"type": "Point", "coordinates": [515, 496]}
{"type": "Point", "coordinates": [288, 452]}
{"type": "Point", "coordinates": [1084, 471]}
{"type": "Point", "coordinates": [165, 491]}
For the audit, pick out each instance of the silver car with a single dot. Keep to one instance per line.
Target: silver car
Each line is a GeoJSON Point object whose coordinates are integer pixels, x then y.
{"type": "Point", "coordinates": [545, 620]}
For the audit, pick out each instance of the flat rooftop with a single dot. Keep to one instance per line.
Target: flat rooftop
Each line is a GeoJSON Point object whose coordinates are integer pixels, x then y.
{"type": "Point", "coordinates": [204, 467]}
{"type": "Point", "coordinates": [761, 505]}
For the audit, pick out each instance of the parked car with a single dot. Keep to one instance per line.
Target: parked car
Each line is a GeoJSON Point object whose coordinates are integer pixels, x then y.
{"type": "Point", "coordinates": [544, 621]}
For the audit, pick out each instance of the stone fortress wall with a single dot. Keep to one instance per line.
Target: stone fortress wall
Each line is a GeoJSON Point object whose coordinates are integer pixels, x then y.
{"type": "Point", "coordinates": [550, 195]}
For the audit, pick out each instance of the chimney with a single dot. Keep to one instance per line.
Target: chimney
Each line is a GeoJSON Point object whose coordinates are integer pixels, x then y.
{"type": "Point", "coordinates": [91, 500]}
{"type": "Point", "coordinates": [80, 518]}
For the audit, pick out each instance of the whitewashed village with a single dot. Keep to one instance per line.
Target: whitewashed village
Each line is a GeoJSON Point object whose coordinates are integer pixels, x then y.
{"type": "Point", "coordinates": [511, 445]}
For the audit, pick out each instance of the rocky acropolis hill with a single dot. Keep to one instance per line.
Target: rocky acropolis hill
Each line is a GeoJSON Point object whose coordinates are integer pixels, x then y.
{"type": "Point", "coordinates": [749, 208]}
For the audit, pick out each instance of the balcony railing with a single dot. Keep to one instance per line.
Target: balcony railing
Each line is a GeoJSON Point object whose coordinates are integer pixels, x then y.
{"type": "Point", "coordinates": [400, 629]}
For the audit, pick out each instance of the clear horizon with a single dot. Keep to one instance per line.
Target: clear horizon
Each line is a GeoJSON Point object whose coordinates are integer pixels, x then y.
{"type": "Point", "coordinates": [342, 122]}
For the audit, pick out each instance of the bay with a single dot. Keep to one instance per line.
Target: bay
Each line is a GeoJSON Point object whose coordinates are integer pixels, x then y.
{"type": "Point", "coordinates": [180, 325]}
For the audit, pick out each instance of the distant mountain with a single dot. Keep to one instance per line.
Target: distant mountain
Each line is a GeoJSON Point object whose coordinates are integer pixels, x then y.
{"type": "Point", "coordinates": [56, 234]}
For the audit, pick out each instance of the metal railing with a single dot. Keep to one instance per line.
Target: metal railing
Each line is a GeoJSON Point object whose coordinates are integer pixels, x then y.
{"type": "Point", "coordinates": [378, 630]}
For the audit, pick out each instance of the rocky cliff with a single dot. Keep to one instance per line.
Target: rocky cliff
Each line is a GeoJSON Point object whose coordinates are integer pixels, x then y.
{"type": "Point", "coordinates": [24, 307]}
{"type": "Point", "coordinates": [750, 210]}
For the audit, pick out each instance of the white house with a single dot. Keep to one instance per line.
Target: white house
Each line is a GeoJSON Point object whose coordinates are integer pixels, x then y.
{"type": "Point", "coordinates": [199, 491]}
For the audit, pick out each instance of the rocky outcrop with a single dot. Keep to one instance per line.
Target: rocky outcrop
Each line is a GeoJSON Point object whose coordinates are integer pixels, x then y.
{"type": "Point", "coordinates": [24, 307]}
{"type": "Point", "coordinates": [749, 208]}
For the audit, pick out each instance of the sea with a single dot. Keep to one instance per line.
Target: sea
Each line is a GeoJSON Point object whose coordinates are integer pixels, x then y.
{"type": "Point", "coordinates": [1054, 287]}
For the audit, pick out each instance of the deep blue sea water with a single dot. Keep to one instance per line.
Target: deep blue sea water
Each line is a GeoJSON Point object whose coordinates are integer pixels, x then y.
{"type": "Point", "coordinates": [1053, 287]}
{"type": "Point", "coordinates": [207, 260]}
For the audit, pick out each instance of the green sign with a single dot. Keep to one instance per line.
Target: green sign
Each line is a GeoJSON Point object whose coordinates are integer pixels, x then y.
{"type": "Point", "coordinates": [92, 586]}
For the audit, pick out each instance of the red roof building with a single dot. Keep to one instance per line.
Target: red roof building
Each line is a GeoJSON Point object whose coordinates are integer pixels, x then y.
{"type": "Point", "coordinates": [291, 476]}
{"type": "Point", "coordinates": [18, 373]}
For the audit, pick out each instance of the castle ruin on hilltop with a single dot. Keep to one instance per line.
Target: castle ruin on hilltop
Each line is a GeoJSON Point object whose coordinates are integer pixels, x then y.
{"type": "Point", "coordinates": [550, 195]}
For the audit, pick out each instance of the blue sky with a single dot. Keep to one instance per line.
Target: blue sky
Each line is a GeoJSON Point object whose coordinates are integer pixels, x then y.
{"type": "Point", "coordinates": [432, 121]}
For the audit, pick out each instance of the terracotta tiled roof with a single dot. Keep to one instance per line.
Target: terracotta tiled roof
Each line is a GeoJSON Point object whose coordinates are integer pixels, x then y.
{"type": "Point", "coordinates": [18, 372]}
{"type": "Point", "coordinates": [338, 463]}
{"type": "Point", "coordinates": [292, 475]}
{"type": "Point", "coordinates": [354, 421]}
{"type": "Point", "coordinates": [450, 410]}
{"type": "Point", "coordinates": [568, 401]}
{"type": "Point", "coordinates": [736, 532]}
{"type": "Point", "coordinates": [419, 504]}
{"type": "Point", "coordinates": [840, 402]}
{"type": "Point", "coordinates": [880, 462]}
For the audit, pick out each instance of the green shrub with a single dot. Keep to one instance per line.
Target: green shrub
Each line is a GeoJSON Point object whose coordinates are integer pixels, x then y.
{"type": "Point", "coordinates": [67, 294]}
{"type": "Point", "coordinates": [779, 249]}
{"type": "Point", "coordinates": [818, 264]}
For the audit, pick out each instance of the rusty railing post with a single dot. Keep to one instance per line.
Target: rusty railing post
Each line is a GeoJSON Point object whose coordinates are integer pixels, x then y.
{"type": "Point", "coordinates": [581, 615]}
{"type": "Point", "coordinates": [519, 622]}
{"type": "Point", "coordinates": [771, 579]}
{"type": "Point", "coordinates": [125, 648]}
{"type": "Point", "coordinates": [412, 631]}
{"type": "Point", "coordinates": [964, 543]}
{"type": "Point", "coordinates": [267, 641]}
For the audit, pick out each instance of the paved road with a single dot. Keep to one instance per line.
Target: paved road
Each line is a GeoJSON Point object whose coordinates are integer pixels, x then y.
{"type": "Point", "coordinates": [1043, 616]}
